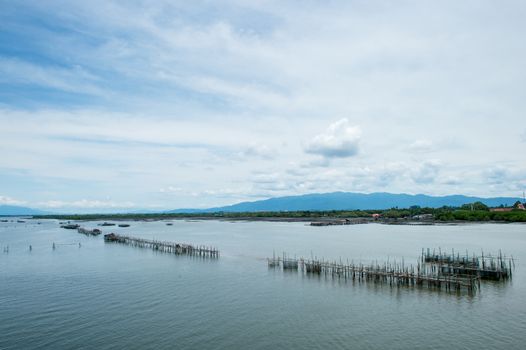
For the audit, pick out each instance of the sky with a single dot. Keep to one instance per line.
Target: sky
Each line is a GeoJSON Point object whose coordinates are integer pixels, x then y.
{"type": "Point", "coordinates": [151, 105]}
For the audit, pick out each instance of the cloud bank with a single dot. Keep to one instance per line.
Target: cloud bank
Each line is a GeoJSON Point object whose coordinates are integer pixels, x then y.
{"type": "Point", "coordinates": [240, 100]}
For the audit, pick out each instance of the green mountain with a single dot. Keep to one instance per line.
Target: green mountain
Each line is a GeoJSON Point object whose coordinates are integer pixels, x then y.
{"type": "Point", "coordinates": [353, 201]}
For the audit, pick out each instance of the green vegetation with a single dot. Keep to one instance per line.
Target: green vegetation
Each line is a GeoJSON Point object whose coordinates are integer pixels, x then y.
{"type": "Point", "coordinates": [469, 212]}
{"type": "Point", "coordinates": [475, 206]}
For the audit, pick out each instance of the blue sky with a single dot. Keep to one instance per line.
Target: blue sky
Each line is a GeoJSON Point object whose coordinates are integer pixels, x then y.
{"type": "Point", "coordinates": [128, 105]}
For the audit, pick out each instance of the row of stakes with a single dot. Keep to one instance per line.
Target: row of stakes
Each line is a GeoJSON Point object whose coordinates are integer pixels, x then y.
{"type": "Point", "coordinates": [54, 246]}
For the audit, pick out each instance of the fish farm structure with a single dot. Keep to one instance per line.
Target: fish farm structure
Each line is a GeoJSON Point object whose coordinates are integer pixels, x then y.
{"type": "Point", "coordinates": [486, 266]}
{"type": "Point", "coordinates": [431, 274]}
{"type": "Point", "coordinates": [84, 231]}
{"type": "Point", "coordinates": [163, 246]}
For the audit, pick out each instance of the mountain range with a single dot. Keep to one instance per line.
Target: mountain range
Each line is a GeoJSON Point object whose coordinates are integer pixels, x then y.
{"type": "Point", "coordinates": [322, 201]}
{"type": "Point", "coordinates": [352, 201]}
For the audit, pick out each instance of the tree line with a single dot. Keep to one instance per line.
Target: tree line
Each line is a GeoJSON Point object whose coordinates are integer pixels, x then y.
{"type": "Point", "coordinates": [477, 211]}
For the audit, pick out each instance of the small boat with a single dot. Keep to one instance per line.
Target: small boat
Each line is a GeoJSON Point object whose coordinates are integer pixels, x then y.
{"type": "Point", "coordinates": [70, 226]}
{"type": "Point", "coordinates": [107, 224]}
{"type": "Point", "coordinates": [124, 225]}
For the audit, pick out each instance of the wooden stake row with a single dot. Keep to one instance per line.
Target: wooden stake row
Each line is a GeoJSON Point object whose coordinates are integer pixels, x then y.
{"type": "Point", "coordinates": [163, 246]}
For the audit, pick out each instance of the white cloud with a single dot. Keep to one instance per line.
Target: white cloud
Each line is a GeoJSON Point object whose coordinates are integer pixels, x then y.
{"type": "Point", "coordinates": [340, 140]}
{"type": "Point", "coordinates": [421, 146]}
{"type": "Point", "coordinates": [172, 189]}
{"type": "Point", "coordinates": [510, 177]}
{"type": "Point", "coordinates": [389, 173]}
{"type": "Point", "coordinates": [70, 79]}
{"type": "Point", "coordinates": [426, 172]}
{"type": "Point", "coordinates": [260, 151]}
{"type": "Point", "coordinates": [321, 162]}
{"type": "Point", "coordinates": [498, 174]}
{"type": "Point", "coordinates": [452, 180]}
{"type": "Point", "coordinates": [86, 204]}
{"type": "Point", "coordinates": [10, 201]}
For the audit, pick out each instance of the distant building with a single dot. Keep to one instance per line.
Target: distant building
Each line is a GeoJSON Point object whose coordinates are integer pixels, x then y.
{"type": "Point", "coordinates": [520, 206]}
{"type": "Point", "coordinates": [501, 209]}
{"type": "Point", "coordinates": [376, 216]}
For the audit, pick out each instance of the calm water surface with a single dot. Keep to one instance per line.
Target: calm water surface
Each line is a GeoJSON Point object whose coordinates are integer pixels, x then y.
{"type": "Point", "coordinates": [108, 296]}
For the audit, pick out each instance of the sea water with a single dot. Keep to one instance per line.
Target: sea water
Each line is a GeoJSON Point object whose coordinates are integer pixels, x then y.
{"type": "Point", "coordinates": [88, 294]}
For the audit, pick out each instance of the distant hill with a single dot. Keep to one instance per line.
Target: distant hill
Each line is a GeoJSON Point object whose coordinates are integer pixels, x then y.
{"type": "Point", "coordinates": [16, 210]}
{"type": "Point", "coordinates": [352, 201]}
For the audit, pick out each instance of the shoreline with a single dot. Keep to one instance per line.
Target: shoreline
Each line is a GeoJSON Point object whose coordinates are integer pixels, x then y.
{"type": "Point", "coordinates": [314, 221]}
